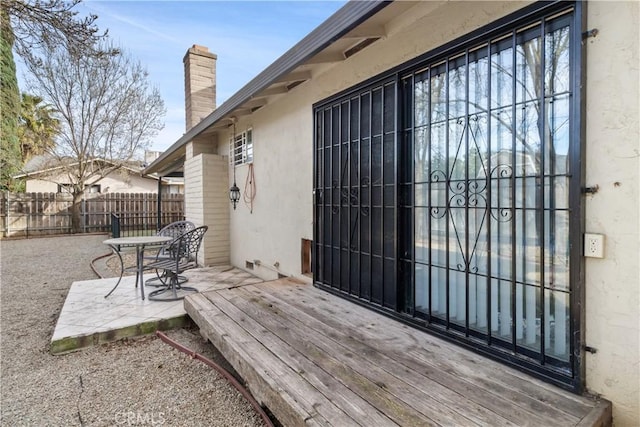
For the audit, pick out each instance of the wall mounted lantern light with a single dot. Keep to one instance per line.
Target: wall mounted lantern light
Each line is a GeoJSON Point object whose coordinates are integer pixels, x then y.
{"type": "Point", "coordinates": [234, 192]}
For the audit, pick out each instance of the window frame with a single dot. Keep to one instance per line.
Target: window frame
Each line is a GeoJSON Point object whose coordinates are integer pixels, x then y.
{"type": "Point", "coordinates": [89, 188]}
{"type": "Point", "coordinates": [241, 148]}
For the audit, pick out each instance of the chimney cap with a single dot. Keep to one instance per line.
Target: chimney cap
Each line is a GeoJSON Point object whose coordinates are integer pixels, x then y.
{"type": "Point", "coordinates": [197, 49]}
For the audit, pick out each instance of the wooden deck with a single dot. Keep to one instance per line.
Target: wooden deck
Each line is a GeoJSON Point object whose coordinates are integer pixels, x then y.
{"type": "Point", "coordinates": [315, 359]}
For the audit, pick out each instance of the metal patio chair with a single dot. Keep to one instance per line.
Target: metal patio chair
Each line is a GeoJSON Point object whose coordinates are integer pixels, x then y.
{"type": "Point", "coordinates": [183, 255]}
{"type": "Point", "coordinates": [173, 230]}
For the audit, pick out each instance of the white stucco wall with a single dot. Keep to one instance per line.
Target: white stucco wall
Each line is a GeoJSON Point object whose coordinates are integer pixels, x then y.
{"type": "Point", "coordinates": [283, 141]}
{"type": "Point", "coordinates": [117, 182]}
{"type": "Point", "coordinates": [41, 186]}
{"type": "Point", "coordinates": [613, 163]}
{"type": "Point", "coordinates": [283, 138]}
{"type": "Point", "coordinates": [128, 184]}
{"type": "Point", "coordinates": [282, 208]}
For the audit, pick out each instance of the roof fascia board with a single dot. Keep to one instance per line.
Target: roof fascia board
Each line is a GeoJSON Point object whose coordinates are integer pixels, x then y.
{"type": "Point", "coordinates": [340, 23]}
{"type": "Point", "coordinates": [173, 167]}
{"type": "Point", "coordinates": [73, 165]}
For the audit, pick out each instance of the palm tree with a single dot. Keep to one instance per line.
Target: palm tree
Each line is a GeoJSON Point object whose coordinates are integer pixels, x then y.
{"type": "Point", "coordinates": [37, 126]}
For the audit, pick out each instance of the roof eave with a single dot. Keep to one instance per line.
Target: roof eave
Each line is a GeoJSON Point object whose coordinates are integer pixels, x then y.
{"type": "Point", "coordinates": [340, 23]}
{"type": "Point", "coordinates": [74, 164]}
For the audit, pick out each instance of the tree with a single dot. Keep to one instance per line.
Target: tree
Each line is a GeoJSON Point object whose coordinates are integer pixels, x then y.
{"type": "Point", "coordinates": [9, 107]}
{"type": "Point", "coordinates": [37, 127]}
{"type": "Point", "coordinates": [38, 24]}
{"type": "Point", "coordinates": [29, 27]}
{"type": "Point", "coordinates": [106, 109]}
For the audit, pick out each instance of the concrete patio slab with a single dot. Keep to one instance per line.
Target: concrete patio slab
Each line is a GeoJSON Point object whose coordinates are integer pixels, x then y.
{"type": "Point", "coordinates": [88, 318]}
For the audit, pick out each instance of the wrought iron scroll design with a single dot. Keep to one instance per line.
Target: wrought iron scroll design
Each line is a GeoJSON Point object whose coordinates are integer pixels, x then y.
{"type": "Point", "coordinates": [470, 193]}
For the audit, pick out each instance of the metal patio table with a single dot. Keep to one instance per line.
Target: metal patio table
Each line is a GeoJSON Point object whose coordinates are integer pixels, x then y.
{"type": "Point", "coordinates": [140, 243]}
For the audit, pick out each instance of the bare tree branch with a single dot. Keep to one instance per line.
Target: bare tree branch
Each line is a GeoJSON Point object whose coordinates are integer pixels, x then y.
{"type": "Point", "coordinates": [40, 24]}
{"type": "Point", "coordinates": [106, 108]}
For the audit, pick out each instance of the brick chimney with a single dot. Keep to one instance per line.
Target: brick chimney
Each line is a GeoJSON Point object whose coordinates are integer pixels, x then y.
{"type": "Point", "coordinates": [199, 84]}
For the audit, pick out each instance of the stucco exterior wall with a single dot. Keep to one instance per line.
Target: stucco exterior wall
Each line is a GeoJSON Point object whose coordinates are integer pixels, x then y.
{"type": "Point", "coordinates": [282, 208]}
{"type": "Point", "coordinates": [283, 167]}
{"type": "Point", "coordinates": [41, 186]}
{"type": "Point", "coordinates": [283, 136]}
{"type": "Point", "coordinates": [613, 163]}
{"type": "Point", "coordinates": [117, 182]}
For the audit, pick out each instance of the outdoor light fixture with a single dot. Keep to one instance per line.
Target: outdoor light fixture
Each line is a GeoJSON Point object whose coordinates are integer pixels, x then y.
{"type": "Point", "coordinates": [234, 192]}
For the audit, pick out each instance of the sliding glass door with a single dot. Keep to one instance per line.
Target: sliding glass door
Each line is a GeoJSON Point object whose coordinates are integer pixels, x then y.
{"type": "Point", "coordinates": [491, 146]}
{"type": "Point", "coordinates": [447, 192]}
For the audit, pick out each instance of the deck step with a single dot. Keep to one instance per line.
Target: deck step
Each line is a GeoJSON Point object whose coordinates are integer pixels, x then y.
{"type": "Point", "coordinates": [315, 359]}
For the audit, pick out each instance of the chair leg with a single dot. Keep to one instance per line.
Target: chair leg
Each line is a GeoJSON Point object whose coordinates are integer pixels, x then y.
{"type": "Point", "coordinates": [121, 273]}
{"type": "Point", "coordinates": [173, 286]}
{"type": "Point", "coordinates": [161, 280]}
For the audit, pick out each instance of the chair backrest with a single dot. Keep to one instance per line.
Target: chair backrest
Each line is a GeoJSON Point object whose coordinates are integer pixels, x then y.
{"type": "Point", "coordinates": [188, 244]}
{"type": "Point", "coordinates": [176, 229]}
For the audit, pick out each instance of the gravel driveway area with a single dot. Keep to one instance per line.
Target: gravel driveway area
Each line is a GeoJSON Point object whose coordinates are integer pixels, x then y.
{"type": "Point", "coordinates": [133, 382]}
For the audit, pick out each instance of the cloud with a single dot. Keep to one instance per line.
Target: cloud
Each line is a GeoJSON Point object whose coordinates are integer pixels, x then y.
{"type": "Point", "coordinates": [101, 9]}
{"type": "Point", "coordinates": [247, 36]}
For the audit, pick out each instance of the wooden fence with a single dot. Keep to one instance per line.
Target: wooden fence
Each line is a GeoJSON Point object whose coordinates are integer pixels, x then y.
{"type": "Point", "coordinates": [37, 214]}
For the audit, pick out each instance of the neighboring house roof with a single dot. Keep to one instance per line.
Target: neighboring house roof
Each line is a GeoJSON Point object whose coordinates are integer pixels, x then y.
{"type": "Point", "coordinates": [38, 163]}
{"type": "Point", "coordinates": [42, 165]}
{"type": "Point", "coordinates": [355, 26]}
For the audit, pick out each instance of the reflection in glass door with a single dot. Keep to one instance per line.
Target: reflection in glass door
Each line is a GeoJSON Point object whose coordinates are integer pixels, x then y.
{"type": "Point", "coordinates": [491, 150]}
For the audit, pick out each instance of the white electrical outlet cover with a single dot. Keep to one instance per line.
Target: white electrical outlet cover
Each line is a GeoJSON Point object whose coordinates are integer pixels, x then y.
{"type": "Point", "coordinates": [594, 245]}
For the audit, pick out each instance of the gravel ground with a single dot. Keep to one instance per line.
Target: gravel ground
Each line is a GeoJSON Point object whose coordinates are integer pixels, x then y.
{"type": "Point", "coordinates": [133, 382]}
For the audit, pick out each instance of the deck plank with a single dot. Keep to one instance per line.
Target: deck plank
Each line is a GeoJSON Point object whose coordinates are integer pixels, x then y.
{"type": "Point", "coordinates": [400, 401]}
{"type": "Point", "coordinates": [356, 407]}
{"type": "Point", "coordinates": [373, 361]}
{"type": "Point", "coordinates": [419, 349]}
{"type": "Point", "coordinates": [451, 390]}
{"type": "Point", "coordinates": [268, 379]}
{"type": "Point", "coordinates": [317, 359]}
{"type": "Point", "coordinates": [515, 380]}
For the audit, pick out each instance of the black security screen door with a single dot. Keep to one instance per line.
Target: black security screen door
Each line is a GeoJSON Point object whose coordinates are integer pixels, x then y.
{"type": "Point", "coordinates": [355, 242]}
{"type": "Point", "coordinates": [449, 192]}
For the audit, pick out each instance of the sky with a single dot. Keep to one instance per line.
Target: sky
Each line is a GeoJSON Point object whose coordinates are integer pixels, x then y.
{"type": "Point", "coordinates": [247, 36]}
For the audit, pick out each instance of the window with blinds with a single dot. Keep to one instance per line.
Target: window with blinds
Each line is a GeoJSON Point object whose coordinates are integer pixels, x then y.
{"type": "Point", "coordinates": [241, 148]}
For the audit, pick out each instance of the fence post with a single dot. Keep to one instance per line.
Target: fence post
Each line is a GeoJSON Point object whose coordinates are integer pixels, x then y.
{"type": "Point", "coordinates": [145, 211]}
{"type": "Point", "coordinates": [115, 225]}
{"type": "Point", "coordinates": [159, 205]}
{"type": "Point", "coordinates": [26, 208]}
{"type": "Point", "coordinates": [7, 215]}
